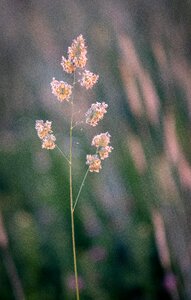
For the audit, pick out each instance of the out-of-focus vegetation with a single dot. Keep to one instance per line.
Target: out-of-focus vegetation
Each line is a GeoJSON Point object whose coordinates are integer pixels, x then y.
{"type": "Point", "coordinates": [133, 219]}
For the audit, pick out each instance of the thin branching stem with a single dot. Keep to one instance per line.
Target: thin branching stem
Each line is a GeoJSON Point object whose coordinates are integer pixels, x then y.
{"type": "Point", "coordinates": [71, 199]}
{"type": "Point", "coordinates": [80, 189]}
{"type": "Point", "coordinates": [64, 155]}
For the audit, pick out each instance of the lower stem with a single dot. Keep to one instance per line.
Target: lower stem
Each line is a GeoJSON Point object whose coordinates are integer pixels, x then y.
{"type": "Point", "coordinates": [74, 255]}
{"type": "Point", "coordinates": [72, 218]}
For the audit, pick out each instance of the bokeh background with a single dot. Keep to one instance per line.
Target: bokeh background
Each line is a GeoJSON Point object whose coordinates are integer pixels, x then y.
{"type": "Point", "coordinates": [133, 227]}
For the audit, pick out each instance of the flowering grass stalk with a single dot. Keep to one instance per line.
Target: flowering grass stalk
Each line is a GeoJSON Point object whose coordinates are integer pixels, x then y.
{"type": "Point", "coordinates": [71, 199]}
{"type": "Point", "coordinates": [64, 92]}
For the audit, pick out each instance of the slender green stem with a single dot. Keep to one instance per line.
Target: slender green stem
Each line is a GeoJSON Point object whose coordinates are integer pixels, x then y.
{"type": "Point", "coordinates": [63, 154]}
{"type": "Point", "coordinates": [71, 201]}
{"type": "Point", "coordinates": [80, 189]}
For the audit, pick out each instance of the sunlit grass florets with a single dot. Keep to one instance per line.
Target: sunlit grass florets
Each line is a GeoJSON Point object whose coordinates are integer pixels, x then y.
{"type": "Point", "coordinates": [61, 90]}
{"type": "Point", "coordinates": [49, 142]}
{"type": "Point", "coordinates": [77, 59]}
{"type": "Point", "coordinates": [43, 128]}
{"type": "Point", "coordinates": [104, 152]}
{"type": "Point", "coordinates": [95, 113]}
{"type": "Point", "coordinates": [77, 52]}
{"type": "Point", "coordinates": [94, 163]}
{"type": "Point", "coordinates": [44, 131]}
{"type": "Point", "coordinates": [68, 65]}
{"type": "Point", "coordinates": [88, 79]}
{"type": "Point", "coordinates": [101, 140]}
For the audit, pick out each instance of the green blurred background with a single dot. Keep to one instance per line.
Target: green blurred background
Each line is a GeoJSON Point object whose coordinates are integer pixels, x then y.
{"type": "Point", "coordinates": [133, 228]}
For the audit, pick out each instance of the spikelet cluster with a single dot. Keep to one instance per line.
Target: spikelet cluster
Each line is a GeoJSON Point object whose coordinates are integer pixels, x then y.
{"type": "Point", "coordinates": [77, 52]}
{"type": "Point", "coordinates": [61, 89]}
{"type": "Point", "coordinates": [88, 79]}
{"type": "Point", "coordinates": [43, 128]}
{"type": "Point", "coordinates": [44, 132]}
{"type": "Point", "coordinates": [49, 142]}
{"type": "Point", "coordinates": [76, 55]}
{"type": "Point", "coordinates": [101, 142]}
{"type": "Point", "coordinates": [96, 113]}
{"type": "Point", "coordinates": [77, 58]}
{"type": "Point", "coordinates": [94, 163]}
{"type": "Point", "coordinates": [68, 65]}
